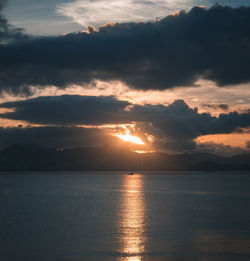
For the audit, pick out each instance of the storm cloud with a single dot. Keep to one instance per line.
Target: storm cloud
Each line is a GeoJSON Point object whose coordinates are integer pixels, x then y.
{"type": "Point", "coordinates": [209, 43]}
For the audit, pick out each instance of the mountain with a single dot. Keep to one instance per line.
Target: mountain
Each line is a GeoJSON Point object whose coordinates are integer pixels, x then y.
{"type": "Point", "coordinates": [36, 158]}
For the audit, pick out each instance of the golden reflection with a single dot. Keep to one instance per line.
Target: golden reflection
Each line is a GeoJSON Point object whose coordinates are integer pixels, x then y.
{"type": "Point", "coordinates": [132, 218]}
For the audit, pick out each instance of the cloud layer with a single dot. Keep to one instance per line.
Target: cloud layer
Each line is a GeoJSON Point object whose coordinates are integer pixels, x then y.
{"type": "Point", "coordinates": [175, 51]}
{"type": "Point", "coordinates": [54, 136]}
{"type": "Point", "coordinates": [174, 127]}
{"type": "Point", "coordinates": [68, 110]}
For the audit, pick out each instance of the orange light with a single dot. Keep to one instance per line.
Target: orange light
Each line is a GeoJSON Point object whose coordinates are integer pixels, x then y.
{"type": "Point", "coordinates": [130, 138]}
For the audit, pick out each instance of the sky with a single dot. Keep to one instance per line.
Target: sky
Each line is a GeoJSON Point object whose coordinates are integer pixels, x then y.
{"type": "Point", "coordinates": [53, 17]}
{"type": "Point", "coordinates": [156, 75]}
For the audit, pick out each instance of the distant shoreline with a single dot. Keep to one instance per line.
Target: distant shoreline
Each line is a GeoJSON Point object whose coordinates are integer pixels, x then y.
{"type": "Point", "coordinates": [116, 172]}
{"type": "Point", "coordinates": [32, 158]}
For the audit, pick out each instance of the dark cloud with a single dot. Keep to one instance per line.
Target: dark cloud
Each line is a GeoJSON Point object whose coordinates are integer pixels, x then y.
{"type": "Point", "coordinates": [220, 149]}
{"type": "Point", "coordinates": [178, 119]}
{"type": "Point", "coordinates": [55, 136]}
{"type": "Point", "coordinates": [8, 32]}
{"type": "Point", "coordinates": [2, 4]}
{"type": "Point", "coordinates": [177, 126]}
{"type": "Point", "coordinates": [221, 106]}
{"type": "Point", "coordinates": [68, 110]}
{"type": "Point", "coordinates": [174, 127]}
{"type": "Point", "coordinates": [175, 51]}
{"type": "Point", "coordinates": [248, 144]}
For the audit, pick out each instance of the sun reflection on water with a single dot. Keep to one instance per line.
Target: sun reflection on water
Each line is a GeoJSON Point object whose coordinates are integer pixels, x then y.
{"type": "Point", "coordinates": [132, 219]}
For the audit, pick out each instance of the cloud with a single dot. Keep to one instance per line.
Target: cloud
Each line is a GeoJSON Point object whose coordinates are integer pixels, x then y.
{"type": "Point", "coordinates": [68, 110]}
{"type": "Point", "coordinates": [2, 4]}
{"type": "Point", "coordinates": [248, 144]}
{"type": "Point", "coordinates": [55, 136]}
{"type": "Point", "coordinates": [175, 51]}
{"type": "Point", "coordinates": [174, 127]}
{"type": "Point", "coordinates": [8, 32]}
{"type": "Point", "coordinates": [220, 149]}
{"type": "Point", "coordinates": [221, 106]}
{"type": "Point", "coordinates": [99, 12]}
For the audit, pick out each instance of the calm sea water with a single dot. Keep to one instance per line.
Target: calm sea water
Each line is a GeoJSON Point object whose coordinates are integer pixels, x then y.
{"type": "Point", "coordinates": [114, 216]}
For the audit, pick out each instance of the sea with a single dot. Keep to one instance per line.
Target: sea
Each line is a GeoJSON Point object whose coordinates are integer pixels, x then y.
{"type": "Point", "coordinates": [158, 216]}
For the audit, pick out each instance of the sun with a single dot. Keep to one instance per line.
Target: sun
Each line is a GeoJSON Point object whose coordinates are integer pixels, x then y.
{"type": "Point", "coordinates": [126, 136]}
{"type": "Point", "coordinates": [130, 138]}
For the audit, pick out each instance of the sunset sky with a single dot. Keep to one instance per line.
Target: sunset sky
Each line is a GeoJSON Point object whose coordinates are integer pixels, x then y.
{"type": "Point", "coordinates": [170, 76]}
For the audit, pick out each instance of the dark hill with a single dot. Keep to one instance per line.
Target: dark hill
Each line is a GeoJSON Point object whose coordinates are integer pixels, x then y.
{"type": "Point", "coordinates": [35, 158]}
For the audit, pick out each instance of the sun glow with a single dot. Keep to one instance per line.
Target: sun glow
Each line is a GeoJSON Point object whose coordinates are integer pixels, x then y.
{"type": "Point", "coordinates": [130, 138]}
{"type": "Point", "coordinates": [125, 134]}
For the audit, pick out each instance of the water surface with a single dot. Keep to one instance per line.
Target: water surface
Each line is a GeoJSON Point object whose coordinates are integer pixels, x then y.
{"type": "Point", "coordinates": [115, 216]}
